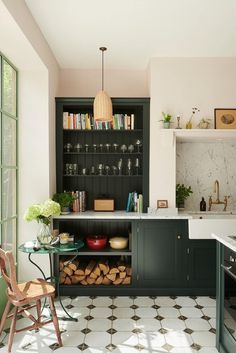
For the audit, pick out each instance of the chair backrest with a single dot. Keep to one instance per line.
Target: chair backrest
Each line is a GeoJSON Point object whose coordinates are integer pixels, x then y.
{"type": "Point", "coordinates": [7, 261]}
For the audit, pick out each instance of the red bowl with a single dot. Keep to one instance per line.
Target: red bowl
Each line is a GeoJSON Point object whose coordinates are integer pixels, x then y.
{"type": "Point", "coordinates": [96, 242]}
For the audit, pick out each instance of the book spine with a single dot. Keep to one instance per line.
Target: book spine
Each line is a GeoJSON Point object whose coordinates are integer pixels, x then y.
{"type": "Point", "coordinates": [65, 120]}
{"type": "Point", "coordinates": [132, 122]}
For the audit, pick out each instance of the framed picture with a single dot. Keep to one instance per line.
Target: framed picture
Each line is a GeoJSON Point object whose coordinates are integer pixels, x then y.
{"type": "Point", "coordinates": [162, 204]}
{"type": "Point", "coordinates": [225, 118]}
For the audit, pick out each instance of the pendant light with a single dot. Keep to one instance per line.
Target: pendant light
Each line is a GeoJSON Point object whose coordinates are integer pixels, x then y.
{"type": "Point", "coordinates": [102, 105]}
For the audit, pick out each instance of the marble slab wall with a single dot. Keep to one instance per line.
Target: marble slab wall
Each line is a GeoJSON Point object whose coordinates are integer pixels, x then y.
{"type": "Point", "coordinates": [200, 164]}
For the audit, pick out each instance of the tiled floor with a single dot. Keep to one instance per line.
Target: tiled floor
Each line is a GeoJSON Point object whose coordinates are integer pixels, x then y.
{"type": "Point", "coordinates": [126, 325]}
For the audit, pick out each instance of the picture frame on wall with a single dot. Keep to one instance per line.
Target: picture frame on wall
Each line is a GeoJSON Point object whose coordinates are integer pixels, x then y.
{"type": "Point", "coordinates": [225, 118]}
{"type": "Point", "coordinates": [162, 204]}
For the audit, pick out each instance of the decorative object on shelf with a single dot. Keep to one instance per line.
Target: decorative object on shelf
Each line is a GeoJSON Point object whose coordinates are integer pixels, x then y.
{"type": "Point", "coordinates": [138, 145]}
{"type": "Point", "coordinates": [123, 148]}
{"type": "Point", "coordinates": [118, 243]}
{"type": "Point", "coordinates": [225, 118]}
{"type": "Point", "coordinates": [96, 242]}
{"type": "Point", "coordinates": [182, 193]}
{"type": "Point", "coordinates": [65, 200]}
{"type": "Point", "coordinates": [189, 124]}
{"type": "Point", "coordinates": [166, 120]}
{"type": "Point", "coordinates": [120, 166]}
{"type": "Point", "coordinates": [203, 205]}
{"type": "Point", "coordinates": [204, 123]}
{"type": "Point", "coordinates": [42, 213]}
{"type": "Point", "coordinates": [64, 238]}
{"type": "Point", "coordinates": [178, 122]}
{"type": "Point", "coordinates": [68, 147]}
{"type": "Point", "coordinates": [129, 166]}
{"type": "Point", "coordinates": [162, 204]}
{"type": "Point", "coordinates": [102, 106]}
{"type": "Point", "coordinates": [104, 204]}
{"type": "Point", "coordinates": [131, 148]}
{"type": "Point", "coordinates": [137, 166]}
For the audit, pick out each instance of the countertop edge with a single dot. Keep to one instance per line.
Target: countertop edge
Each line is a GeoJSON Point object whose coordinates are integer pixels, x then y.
{"type": "Point", "coordinates": [225, 240]}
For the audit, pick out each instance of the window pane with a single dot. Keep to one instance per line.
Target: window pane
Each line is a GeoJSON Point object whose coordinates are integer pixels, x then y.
{"type": "Point", "coordinates": [9, 88]}
{"type": "Point", "coordinates": [8, 193]}
{"type": "Point", "coordinates": [8, 141]}
{"type": "Point", "coordinates": [9, 235]}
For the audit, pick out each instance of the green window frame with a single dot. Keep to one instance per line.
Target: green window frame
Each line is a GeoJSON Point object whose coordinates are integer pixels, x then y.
{"type": "Point", "coordinates": [8, 155]}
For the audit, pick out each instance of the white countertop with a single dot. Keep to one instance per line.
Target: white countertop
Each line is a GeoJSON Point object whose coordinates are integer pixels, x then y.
{"type": "Point", "coordinates": [225, 240]}
{"type": "Point", "coordinates": [119, 215]}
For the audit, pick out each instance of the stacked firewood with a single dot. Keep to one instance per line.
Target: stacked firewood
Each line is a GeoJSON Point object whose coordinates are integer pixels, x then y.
{"type": "Point", "coordinates": [94, 272]}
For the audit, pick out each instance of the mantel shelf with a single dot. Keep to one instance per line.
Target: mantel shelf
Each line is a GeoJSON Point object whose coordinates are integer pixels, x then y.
{"type": "Point", "coordinates": [201, 135]}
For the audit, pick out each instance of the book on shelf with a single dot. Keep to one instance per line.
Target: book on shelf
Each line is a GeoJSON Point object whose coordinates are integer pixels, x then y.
{"type": "Point", "coordinates": [134, 202]}
{"type": "Point", "coordinates": [85, 121]}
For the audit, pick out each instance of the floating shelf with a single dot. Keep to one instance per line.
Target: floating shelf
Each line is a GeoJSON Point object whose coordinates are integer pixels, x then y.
{"type": "Point", "coordinates": [200, 135]}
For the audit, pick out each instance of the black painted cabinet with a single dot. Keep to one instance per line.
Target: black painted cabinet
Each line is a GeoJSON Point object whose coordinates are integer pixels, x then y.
{"type": "Point", "coordinates": [103, 162]}
{"type": "Point", "coordinates": [161, 254]}
{"type": "Point", "coordinates": [202, 263]}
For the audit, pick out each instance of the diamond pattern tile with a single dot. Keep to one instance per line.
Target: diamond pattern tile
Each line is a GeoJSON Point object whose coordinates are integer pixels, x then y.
{"type": "Point", "coordinates": [134, 324]}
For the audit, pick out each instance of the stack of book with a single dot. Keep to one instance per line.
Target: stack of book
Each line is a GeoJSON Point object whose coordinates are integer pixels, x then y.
{"type": "Point", "coordinates": [134, 202]}
{"type": "Point", "coordinates": [85, 121]}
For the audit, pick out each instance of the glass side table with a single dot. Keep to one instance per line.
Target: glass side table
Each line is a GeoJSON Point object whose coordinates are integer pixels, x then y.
{"type": "Point", "coordinates": [50, 250]}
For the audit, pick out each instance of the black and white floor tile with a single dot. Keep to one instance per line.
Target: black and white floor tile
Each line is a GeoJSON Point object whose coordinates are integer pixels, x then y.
{"type": "Point", "coordinates": [125, 325]}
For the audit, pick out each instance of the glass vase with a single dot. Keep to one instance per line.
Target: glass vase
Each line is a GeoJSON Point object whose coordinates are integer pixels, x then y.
{"type": "Point", "coordinates": [44, 235]}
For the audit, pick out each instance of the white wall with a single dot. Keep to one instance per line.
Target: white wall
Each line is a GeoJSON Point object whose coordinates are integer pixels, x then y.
{"type": "Point", "coordinates": [23, 43]}
{"type": "Point", "coordinates": [177, 85]}
{"type": "Point", "coordinates": [200, 164]}
{"type": "Point", "coordinates": [118, 83]}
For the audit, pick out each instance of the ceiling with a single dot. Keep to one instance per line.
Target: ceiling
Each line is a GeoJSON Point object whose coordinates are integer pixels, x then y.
{"type": "Point", "coordinates": [135, 30]}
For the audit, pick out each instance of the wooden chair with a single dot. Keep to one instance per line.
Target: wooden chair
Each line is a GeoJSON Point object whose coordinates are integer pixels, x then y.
{"type": "Point", "coordinates": [23, 297]}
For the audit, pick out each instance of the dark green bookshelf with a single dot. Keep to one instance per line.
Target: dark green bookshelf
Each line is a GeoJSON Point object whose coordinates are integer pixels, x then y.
{"type": "Point", "coordinates": [109, 185]}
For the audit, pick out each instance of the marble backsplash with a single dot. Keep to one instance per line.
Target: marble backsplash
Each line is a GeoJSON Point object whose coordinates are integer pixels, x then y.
{"type": "Point", "coordinates": [200, 164]}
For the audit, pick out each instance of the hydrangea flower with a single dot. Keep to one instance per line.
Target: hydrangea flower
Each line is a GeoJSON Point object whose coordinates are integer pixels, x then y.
{"type": "Point", "coordinates": [42, 212]}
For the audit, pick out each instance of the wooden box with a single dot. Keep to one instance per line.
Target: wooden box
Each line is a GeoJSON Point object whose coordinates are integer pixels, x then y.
{"type": "Point", "coordinates": [104, 205]}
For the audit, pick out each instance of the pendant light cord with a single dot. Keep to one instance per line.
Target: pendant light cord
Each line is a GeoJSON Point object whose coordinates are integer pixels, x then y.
{"type": "Point", "coordinates": [102, 50]}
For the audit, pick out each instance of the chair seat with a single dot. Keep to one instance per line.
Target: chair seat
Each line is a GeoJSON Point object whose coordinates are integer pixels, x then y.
{"type": "Point", "coordinates": [34, 290]}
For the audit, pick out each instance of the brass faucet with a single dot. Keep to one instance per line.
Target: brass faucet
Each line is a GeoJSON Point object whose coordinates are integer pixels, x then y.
{"type": "Point", "coordinates": [217, 201]}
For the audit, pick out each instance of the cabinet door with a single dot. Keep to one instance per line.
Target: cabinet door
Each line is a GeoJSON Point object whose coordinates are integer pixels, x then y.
{"type": "Point", "coordinates": [202, 263]}
{"type": "Point", "coordinates": [161, 253]}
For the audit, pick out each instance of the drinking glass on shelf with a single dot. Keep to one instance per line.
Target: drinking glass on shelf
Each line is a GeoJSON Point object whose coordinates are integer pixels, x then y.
{"type": "Point", "coordinates": [67, 169]}
{"type": "Point", "coordinates": [115, 147]}
{"type": "Point", "coordinates": [114, 169]}
{"type": "Point", "coordinates": [86, 148]}
{"type": "Point", "coordinates": [120, 165]}
{"type": "Point", "coordinates": [138, 145]}
{"type": "Point", "coordinates": [92, 170]}
{"type": "Point", "coordinates": [94, 147]}
{"type": "Point", "coordinates": [100, 169]}
{"type": "Point", "coordinates": [137, 166]}
{"type": "Point", "coordinates": [84, 171]}
{"type": "Point", "coordinates": [101, 147]}
{"type": "Point", "coordinates": [129, 166]}
{"type": "Point", "coordinates": [78, 147]}
{"type": "Point", "coordinates": [123, 148]}
{"type": "Point", "coordinates": [70, 169]}
{"type": "Point", "coordinates": [107, 169]}
{"type": "Point", "coordinates": [75, 169]}
{"type": "Point", "coordinates": [107, 146]}
{"type": "Point", "coordinates": [68, 147]}
{"type": "Point", "coordinates": [131, 148]}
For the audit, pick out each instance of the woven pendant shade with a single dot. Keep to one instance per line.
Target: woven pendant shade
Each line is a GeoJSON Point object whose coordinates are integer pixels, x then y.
{"type": "Point", "coordinates": [102, 105]}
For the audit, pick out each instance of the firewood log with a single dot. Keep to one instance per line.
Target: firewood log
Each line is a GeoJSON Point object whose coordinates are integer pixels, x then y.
{"type": "Point", "coordinates": [90, 280]}
{"type": "Point", "coordinates": [67, 280]}
{"type": "Point", "coordinates": [111, 276]}
{"type": "Point", "coordinates": [118, 281]}
{"type": "Point", "coordinates": [122, 274]}
{"type": "Point", "coordinates": [73, 265]}
{"type": "Point", "coordinates": [128, 270]}
{"type": "Point", "coordinates": [93, 275]}
{"type": "Point", "coordinates": [127, 280]}
{"type": "Point", "coordinates": [106, 281]}
{"type": "Point", "coordinates": [80, 269]}
{"type": "Point", "coordinates": [84, 282]}
{"type": "Point", "coordinates": [97, 270]}
{"type": "Point", "coordinates": [104, 267]}
{"type": "Point", "coordinates": [68, 271]}
{"type": "Point", "coordinates": [99, 280]}
{"type": "Point", "coordinates": [113, 269]}
{"type": "Point", "coordinates": [89, 267]}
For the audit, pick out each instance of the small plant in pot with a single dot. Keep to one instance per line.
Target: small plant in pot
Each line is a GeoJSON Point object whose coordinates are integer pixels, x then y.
{"type": "Point", "coordinates": [65, 200]}
{"type": "Point", "coordinates": [182, 193]}
{"type": "Point", "coordinates": [166, 120]}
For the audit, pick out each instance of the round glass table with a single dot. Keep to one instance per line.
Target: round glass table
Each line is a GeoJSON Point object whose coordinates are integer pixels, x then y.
{"type": "Point", "coordinates": [30, 248]}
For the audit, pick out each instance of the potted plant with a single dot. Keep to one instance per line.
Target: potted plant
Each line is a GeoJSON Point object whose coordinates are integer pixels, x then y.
{"type": "Point", "coordinates": [182, 193]}
{"type": "Point", "coordinates": [204, 123]}
{"type": "Point", "coordinates": [166, 120]}
{"type": "Point", "coordinates": [65, 200]}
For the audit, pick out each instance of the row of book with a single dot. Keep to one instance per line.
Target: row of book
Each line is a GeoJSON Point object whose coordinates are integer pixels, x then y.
{"type": "Point", "coordinates": [134, 202]}
{"type": "Point", "coordinates": [86, 121]}
{"type": "Point", "coordinates": [79, 201]}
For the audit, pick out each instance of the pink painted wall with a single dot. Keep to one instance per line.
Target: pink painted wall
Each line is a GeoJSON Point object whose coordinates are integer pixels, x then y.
{"type": "Point", "coordinates": [118, 83]}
